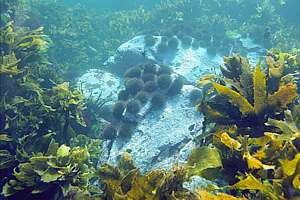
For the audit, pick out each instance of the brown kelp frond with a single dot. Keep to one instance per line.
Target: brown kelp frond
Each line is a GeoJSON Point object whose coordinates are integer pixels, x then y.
{"type": "Point", "coordinates": [39, 122]}
{"type": "Point", "coordinates": [235, 98]}
{"type": "Point", "coordinates": [157, 184]}
{"type": "Point", "coordinates": [260, 90]}
{"type": "Point", "coordinates": [258, 148]}
{"type": "Point", "coordinates": [42, 171]}
{"type": "Point", "coordinates": [254, 110]}
{"type": "Point", "coordinates": [285, 95]}
{"type": "Point", "coordinates": [9, 65]}
{"type": "Point", "coordinates": [238, 70]}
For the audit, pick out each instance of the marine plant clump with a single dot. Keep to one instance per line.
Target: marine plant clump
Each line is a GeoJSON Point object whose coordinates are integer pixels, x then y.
{"type": "Point", "coordinates": [133, 106]}
{"type": "Point", "coordinates": [39, 123]}
{"type": "Point", "coordinates": [164, 81]}
{"type": "Point", "coordinates": [94, 146]}
{"type": "Point", "coordinates": [118, 110]}
{"type": "Point", "coordinates": [255, 125]}
{"type": "Point", "coordinates": [60, 164]}
{"type": "Point", "coordinates": [123, 95]}
{"type": "Point", "coordinates": [248, 86]}
{"type": "Point", "coordinates": [127, 182]}
{"type": "Point", "coordinates": [134, 85]}
{"type": "Point", "coordinates": [133, 72]}
{"type": "Point", "coordinates": [158, 100]}
{"type": "Point", "coordinates": [109, 132]}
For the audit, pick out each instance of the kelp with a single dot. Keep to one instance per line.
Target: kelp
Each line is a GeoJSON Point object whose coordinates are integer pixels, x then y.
{"type": "Point", "coordinates": [264, 152]}
{"type": "Point", "coordinates": [203, 159]}
{"type": "Point", "coordinates": [94, 146]}
{"type": "Point", "coordinates": [283, 97]}
{"type": "Point", "coordinates": [254, 110]}
{"type": "Point", "coordinates": [39, 150]}
{"type": "Point", "coordinates": [127, 183]}
{"type": "Point", "coordinates": [260, 90]}
{"type": "Point", "coordinates": [238, 100]}
{"type": "Point", "coordinates": [203, 194]}
{"type": "Point", "coordinates": [58, 165]}
{"type": "Point", "coordinates": [9, 65]}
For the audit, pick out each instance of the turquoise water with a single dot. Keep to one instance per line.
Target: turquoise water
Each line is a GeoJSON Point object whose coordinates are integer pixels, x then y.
{"type": "Point", "coordinates": [95, 95]}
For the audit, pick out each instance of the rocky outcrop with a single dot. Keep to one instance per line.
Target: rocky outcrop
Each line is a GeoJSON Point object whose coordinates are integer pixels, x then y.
{"type": "Point", "coordinates": [97, 82]}
{"type": "Point", "coordinates": [162, 137]}
{"type": "Point", "coordinates": [188, 62]}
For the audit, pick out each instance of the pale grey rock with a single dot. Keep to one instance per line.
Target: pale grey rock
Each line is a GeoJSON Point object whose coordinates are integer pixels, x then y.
{"type": "Point", "coordinates": [129, 54]}
{"type": "Point", "coordinates": [163, 137]}
{"type": "Point", "coordinates": [96, 82]}
{"type": "Point", "coordinates": [190, 63]}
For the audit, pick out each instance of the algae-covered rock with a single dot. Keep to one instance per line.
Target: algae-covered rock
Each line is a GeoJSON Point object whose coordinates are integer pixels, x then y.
{"type": "Point", "coordinates": [97, 82]}
{"type": "Point", "coordinates": [163, 137]}
{"type": "Point", "coordinates": [188, 62]}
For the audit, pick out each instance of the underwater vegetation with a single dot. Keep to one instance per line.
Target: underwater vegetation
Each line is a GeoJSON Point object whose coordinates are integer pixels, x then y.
{"type": "Point", "coordinates": [133, 106]}
{"type": "Point", "coordinates": [39, 144]}
{"type": "Point", "coordinates": [109, 132]}
{"type": "Point", "coordinates": [256, 124]}
{"type": "Point", "coordinates": [126, 182]}
{"type": "Point", "coordinates": [83, 37]}
{"type": "Point", "coordinates": [118, 109]}
{"type": "Point", "coordinates": [50, 133]}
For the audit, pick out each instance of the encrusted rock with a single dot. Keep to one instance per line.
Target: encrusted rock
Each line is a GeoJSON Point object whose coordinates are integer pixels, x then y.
{"type": "Point", "coordinates": [188, 62]}
{"type": "Point", "coordinates": [97, 82]}
{"type": "Point", "coordinates": [162, 136]}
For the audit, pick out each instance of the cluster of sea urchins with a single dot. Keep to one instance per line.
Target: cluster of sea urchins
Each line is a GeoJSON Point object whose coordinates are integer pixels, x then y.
{"type": "Point", "coordinates": [147, 83]}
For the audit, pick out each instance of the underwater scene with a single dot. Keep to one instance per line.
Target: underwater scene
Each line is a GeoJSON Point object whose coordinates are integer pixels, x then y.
{"type": "Point", "coordinates": [150, 100]}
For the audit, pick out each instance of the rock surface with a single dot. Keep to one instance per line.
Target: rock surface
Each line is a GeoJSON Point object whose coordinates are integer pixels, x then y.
{"type": "Point", "coordinates": [131, 53]}
{"type": "Point", "coordinates": [97, 82]}
{"type": "Point", "coordinates": [163, 137]}
{"type": "Point", "coordinates": [188, 62]}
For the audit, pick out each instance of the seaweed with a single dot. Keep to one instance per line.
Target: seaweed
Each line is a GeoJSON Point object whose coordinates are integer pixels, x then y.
{"type": "Point", "coordinates": [58, 165]}
{"type": "Point", "coordinates": [261, 140]}
{"type": "Point", "coordinates": [247, 91]}
{"type": "Point", "coordinates": [40, 121]}
{"type": "Point", "coordinates": [127, 182]}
